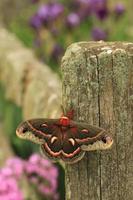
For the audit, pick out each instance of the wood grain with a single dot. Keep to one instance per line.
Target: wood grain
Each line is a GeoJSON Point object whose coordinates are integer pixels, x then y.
{"type": "Point", "coordinates": [98, 83]}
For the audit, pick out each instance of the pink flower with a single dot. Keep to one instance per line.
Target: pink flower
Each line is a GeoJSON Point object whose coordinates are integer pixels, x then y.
{"type": "Point", "coordinates": [9, 189]}
{"type": "Point", "coordinates": [16, 165]}
{"type": "Point", "coordinates": [40, 172]}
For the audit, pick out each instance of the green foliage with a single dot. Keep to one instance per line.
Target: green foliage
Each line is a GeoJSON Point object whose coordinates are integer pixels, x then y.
{"type": "Point", "coordinates": [23, 32]}
{"type": "Point", "coordinates": [11, 115]}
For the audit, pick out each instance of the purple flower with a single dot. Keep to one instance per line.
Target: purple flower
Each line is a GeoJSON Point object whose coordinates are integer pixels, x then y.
{"type": "Point", "coordinates": [72, 20]}
{"type": "Point", "coordinates": [82, 7]}
{"type": "Point", "coordinates": [43, 11]}
{"type": "Point", "coordinates": [35, 22]}
{"type": "Point", "coordinates": [119, 9]}
{"type": "Point", "coordinates": [98, 34]}
{"type": "Point", "coordinates": [100, 8]}
{"type": "Point", "coordinates": [102, 13]}
{"type": "Point", "coordinates": [50, 11]}
{"type": "Point", "coordinates": [57, 52]}
{"type": "Point", "coordinates": [56, 9]}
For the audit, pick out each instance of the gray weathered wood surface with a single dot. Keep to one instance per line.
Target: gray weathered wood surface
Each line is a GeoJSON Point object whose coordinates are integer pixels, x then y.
{"type": "Point", "coordinates": [98, 82]}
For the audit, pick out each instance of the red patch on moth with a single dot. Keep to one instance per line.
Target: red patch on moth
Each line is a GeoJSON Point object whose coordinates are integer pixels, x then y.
{"type": "Point", "coordinates": [84, 131]}
{"type": "Point", "coordinates": [64, 121]}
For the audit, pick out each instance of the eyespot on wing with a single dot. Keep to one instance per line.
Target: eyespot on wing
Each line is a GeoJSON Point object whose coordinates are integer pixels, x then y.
{"type": "Point", "coordinates": [22, 129]}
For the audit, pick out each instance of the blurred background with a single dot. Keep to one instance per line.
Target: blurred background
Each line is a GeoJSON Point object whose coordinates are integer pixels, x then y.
{"type": "Point", "coordinates": [46, 28]}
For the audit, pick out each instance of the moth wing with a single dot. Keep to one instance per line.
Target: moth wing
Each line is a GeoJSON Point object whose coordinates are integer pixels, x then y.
{"type": "Point", "coordinates": [91, 137]}
{"type": "Point", "coordinates": [87, 133]}
{"type": "Point", "coordinates": [45, 154]}
{"type": "Point", "coordinates": [36, 130]}
{"type": "Point", "coordinates": [71, 160]}
{"type": "Point", "coordinates": [60, 146]}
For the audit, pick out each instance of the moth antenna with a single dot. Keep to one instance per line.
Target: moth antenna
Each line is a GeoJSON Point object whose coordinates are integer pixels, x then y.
{"type": "Point", "coordinates": [70, 113]}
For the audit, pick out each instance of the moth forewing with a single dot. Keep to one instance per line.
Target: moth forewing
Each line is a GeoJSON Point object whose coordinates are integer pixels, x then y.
{"type": "Point", "coordinates": [87, 133]}
{"type": "Point", "coordinates": [30, 136]}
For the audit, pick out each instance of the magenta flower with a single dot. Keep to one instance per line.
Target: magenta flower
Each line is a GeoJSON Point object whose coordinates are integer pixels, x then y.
{"type": "Point", "coordinates": [40, 173]}
{"type": "Point", "coordinates": [14, 168]}
{"type": "Point", "coordinates": [9, 189]}
{"type": "Point", "coordinates": [34, 158]}
{"type": "Point", "coordinates": [44, 189]}
{"type": "Point", "coordinates": [16, 165]}
{"type": "Point", "coordinates": [7, 171]}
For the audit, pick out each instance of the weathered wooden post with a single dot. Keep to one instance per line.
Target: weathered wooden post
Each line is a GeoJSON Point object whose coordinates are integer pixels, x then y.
{"type": "Point", "coordinates": [98, 82]}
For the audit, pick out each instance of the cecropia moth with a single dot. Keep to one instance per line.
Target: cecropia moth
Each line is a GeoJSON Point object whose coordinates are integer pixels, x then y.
{"type": "Point", "coordinates": [64, 138]}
